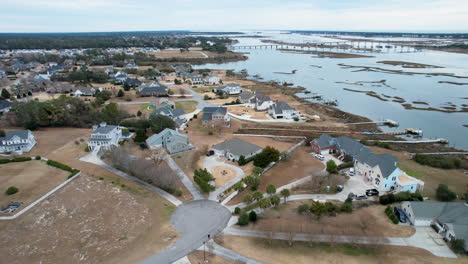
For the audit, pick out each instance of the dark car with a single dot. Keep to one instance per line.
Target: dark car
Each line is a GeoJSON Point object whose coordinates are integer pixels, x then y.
{"type": "Point", "coordinates": [372, 192]}
{"type": "Point", "coordinates": [400, 214]}
{"type": "Point", "coordinates": [210, 153]}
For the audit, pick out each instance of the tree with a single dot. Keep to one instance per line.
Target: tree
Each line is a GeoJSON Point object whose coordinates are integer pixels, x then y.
{"type": "Point", "coordinates": [285, 193]}
{"type": "Point", "coordinates": [271, 189]}
{"type": "Point", "coordinates": [103, 95]}
{"type": "Point", "coordinates": [139, 113]}
{"type": "Point", "coordinates": [264, 203]}
{"type": "Point", "coordinates": [160, 122]}
{"type": "Point", "coordinates": [253, 216]}
{"type": "Point", "coordinates": [347, 207]}
{"type": "Point", "coordinates": [11, 190]}
{"type": "Point", "coordinates": [303, 208]}
{"type": "Point", "coordinates": [202, 178]}
{"type": "Point", "coordinates": [5, 94]}
{"type": "Point", "coordinates": [275, 200]}
{"type": "Point", "coordinates": [317, 208]}
{"type": "Point", "coordinates": [331, 166]}
{"type": "Point", "coordinates": [443, 193]}
{"type": "Point", "coordinates": [177, 81]}
{"type": "Point", "coordinates": [140, 136]}
{"type": "Point", "coordinates": [126, 87]}
{"type": "Point", "coordinates": [268, 155]}
{"type": "Point", "coordinates": [248, 199]}
{"type": "Point", "coordinates": [237, 210]}
{"type": "Point", "coordinates": [285, 155]}
{"type": "Point", "coordinates": [257, 196]}
{"type": "Point", "coordinates": [238, 186]}
{"type": "Point", "coordinates": [242, 160]}
{"type": "Point", "coordinates": [243, 219]}
{"type": "Point", "coordinates": [120, 93]}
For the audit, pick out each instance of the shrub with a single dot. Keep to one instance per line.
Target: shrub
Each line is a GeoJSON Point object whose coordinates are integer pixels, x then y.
{"type": "Point", "coordinates": [439, 161]}
{"type": "Point", "coordinates": [457, 245]}
{"type": "Point", "coordinates": [391, 215]}
{"type": "Point", "coordinates": [59, 165]}
{"type": "Point", "coordinates": [195, 116]}
{"type": "Point", "coordinates": [38, 157]}
{"type": "Point", "coordinates": [11, 190]}
{"type": "Point", "coordinates": [330, 207]}
{"type": "Point", "coordinates": [443, 193]}
{"type": "Point", "coordinates": [331, 167]}
{"type": "Point", "coordinates": [345, 165]}
{"type": "Point", "coordinates": [400, 197]}
{"type": "Point", "coordinates": [202, 178]}
{"type": "Point", "coordinates": [20, 159]}
{"type": "Point", "coordinates": [241, 160]}
{"type": "Point", "coordinates": [347, 207]}
{"type": "Point", "coordinates": [140, 136]}
{"type": "Point", "coordinates": [87, 149]}
{"type": "Point", "coordinates": [243, 219]}
{"type": "Point", "coordinates": [178, 192]}
{"type": "Point", "coordinates": [296, 119]}
{"type": "Point", "coordinates": [237, 210]}
{"type": "Point", "coordinates": [253, 216]}
{"type": "Point", "coordinates": [303, 208]}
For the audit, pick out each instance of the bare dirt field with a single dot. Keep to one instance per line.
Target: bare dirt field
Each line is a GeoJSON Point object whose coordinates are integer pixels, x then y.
{"type": "Point", "coordinates": [197, 257]}
{"type": "Point", "coordinates": [366, 221]}
{"type": "Point", "coordinates": [248, 112]}
{"type": "Point", "coordinates": [302, 253]}
{"type": "Point", "coordinates": [91, 220]}
{"type": "Point", "coordinates": [32, 178]}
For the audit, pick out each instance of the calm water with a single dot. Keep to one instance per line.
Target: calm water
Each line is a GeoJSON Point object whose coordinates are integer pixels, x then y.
{"type": "Point", "coordinates": [410, 87]}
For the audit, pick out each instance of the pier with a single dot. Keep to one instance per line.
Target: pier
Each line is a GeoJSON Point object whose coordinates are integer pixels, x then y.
{"type": "Point", "coordinates": [386, 122]}
{"type": "Point", "coordinates": [439, 140]}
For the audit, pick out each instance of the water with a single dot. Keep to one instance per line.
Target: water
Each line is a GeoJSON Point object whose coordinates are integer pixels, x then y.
{"type": "Point", "coordinates": [410, 87]}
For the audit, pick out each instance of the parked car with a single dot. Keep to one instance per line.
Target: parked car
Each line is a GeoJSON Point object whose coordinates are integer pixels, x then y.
{"type": "Point", "coordinates": [372, 192]}
{"type": "Point", "coordinates": [339, 188]}
{"type": "Point", "coordinates": [361, 197]}
{"type": "Point", "coordinates": [400, 214]}
{"type": "Point", "coordinates": [319, 157]}
{"type": "Point", "coordinates": [351, 172]}
{"type": "Point", "coordinates": [210, 153]}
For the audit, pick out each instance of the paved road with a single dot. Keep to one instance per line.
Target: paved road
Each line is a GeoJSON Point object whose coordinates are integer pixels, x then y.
{"type": "Point", "coordinates": [194, 221]}
{"type": "Point", "coordinates": [197, 195]}
{"type": "Point", "coordinates": [423, 238]}
{"type": "Point", "coordinates": [195, 97]}
{"type": "Point", "coordinates": [212, 162]}
{"type": "Point", "coordinates": [231, 255]}
{"type": "Point", "coordinates": [91, 158]}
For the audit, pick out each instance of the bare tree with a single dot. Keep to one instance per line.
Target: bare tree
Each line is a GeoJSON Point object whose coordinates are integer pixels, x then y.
{"type": "Point", "coordinates": [158, 156]}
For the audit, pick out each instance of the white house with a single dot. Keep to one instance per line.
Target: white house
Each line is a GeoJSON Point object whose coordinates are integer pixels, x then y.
{"type": "Point", "coordinates": [229, 89]}
{"type": "Point", "coordinates": [85, 91]}
{"type": "Point", "coordinates": [234, 148]}
{"type": "Point", "coordinates": [196, 79]}
{"type": "Point", "coordinates": [259, 101]}
{"type": "Point", "coordinates": [119, 77]}
{"type": "Point", "coordinates": [104, 136]}
{"type": "Point", "coordinates": [449, 219]}
{"type": "Point", "coordinates": [281, 110]}
{"type": "Point", "coordinates": [18, 142]}
{"type": "Point", "coordinates": [212, 80]}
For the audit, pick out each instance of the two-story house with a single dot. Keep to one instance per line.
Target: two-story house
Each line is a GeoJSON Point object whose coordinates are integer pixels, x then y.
{"type": "Point", "coordinates": [258, 101]}
{"type": "Point", "coordinates": [18, 141]}
{"type": "Point", "coordinates": [212, 80]}
{"type": "Point", "coordinates": [104, 136]}
{"type": "Point", "coordinates": [213, 116]}
{"type": "Point", "coordinates": [153, 89]}
{"type": "Point", "coordinates": [282, 110]}
{"type": "Point", "coordinates": [196, 79]}
{"type": "Point", "coordinates": [119, 77]}
{"type": "Point", "coordinates": [171, 140]}
{"type": "Point", "coordinates": [229, 89]}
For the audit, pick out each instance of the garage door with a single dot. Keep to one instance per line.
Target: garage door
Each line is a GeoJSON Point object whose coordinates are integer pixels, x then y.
{"type": "Point", "coordinates": [422, 222]}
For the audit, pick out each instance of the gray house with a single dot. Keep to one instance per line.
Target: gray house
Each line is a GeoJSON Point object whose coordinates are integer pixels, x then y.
{"type": "Point", "coordinates": [19, 141]}
{"type": "Point", "coordinates": [153, 89]}
{"type": "Point", "coordinates": [234, 148]}
{"type": "Point", "coordinates": [171, 140]}
{"type": "Point", "coordinates": [5, 106]}
{"type": "Point", "coordinates": [178, 115]}
{"type": "Point", "coordinates": [212, 115]}
{"type": "Point", "coordinates": [449, 219]}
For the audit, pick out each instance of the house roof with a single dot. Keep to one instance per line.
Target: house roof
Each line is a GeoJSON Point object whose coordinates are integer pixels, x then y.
{"type": "Point", "coordinates": [237, 147]}
{"type": "Point", "coordinates": [170, 112]}
{"type": "Point", "coordinates": [246, 95]}
{"type": "Point", "coordinates": [324, 141]}
{"type": "Point", "coordinates": [455, 214]}
{"type": "Point", "coordinates": [221, 110]}
{"type": "Point", "coordinates": [166, 132]}
{"type": "Point", "coordinates": [23, 134]}
{"type": "Point", "coordinates": [5, 104]}
{"type": "Point", "coordinates": [153, 89]}
{"type": "Point", "coordinates": [260, 98]}
{"type": "Point", "coordinates": [85, 90]}
{"type": "Point", "coordinates": [104, 129]}
{"type": "Point", "coordinates": [281, 106]}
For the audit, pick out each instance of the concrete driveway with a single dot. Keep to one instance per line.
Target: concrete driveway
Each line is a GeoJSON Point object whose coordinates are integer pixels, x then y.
{"type": "Point", "coordinates": [194, 221]}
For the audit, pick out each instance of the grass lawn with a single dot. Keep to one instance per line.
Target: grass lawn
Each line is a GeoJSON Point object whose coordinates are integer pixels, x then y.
{"type": "Point", "coordinates": [187, 106]}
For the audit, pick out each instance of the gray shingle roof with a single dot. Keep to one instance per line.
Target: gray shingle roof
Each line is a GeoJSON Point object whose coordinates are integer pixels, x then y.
{"type": "Point", "coordinates": [5, 104]}
{"type": "Point", "coordinates": [104, 129]}
{"type": "Point", "coordinates": [237, 147]}
{"type": "Point", "coordinates": [245, 95]}
{"type": "Point", "coordinates": [324, 141]}
{"type": "Point", "coordinates": [281, 106]}
{"type": "Point", "coordinates": [221, 110]}
{"type": "Point", "coordinates": [170, 112]}
{"type": "Point", "coordinates": [23, 134]}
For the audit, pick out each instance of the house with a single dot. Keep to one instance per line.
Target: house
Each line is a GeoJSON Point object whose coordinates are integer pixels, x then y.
{"type": "Point", "coordinates": [212, 80]}
{"type": "Point", "coordinates": [281, 110]}
{"type": "Point", "coordinates": [153, 89]}
{"type": "Point", "coordinates": [119, 77]}
{"type": "Point", "coordinates": [5, 106]}
{"type": "Point", "coordinates": [104, 136]}
{"type": "Point", "coordinates": [177, 115]}
{"type": "Point", "coordinates": [171, 140]}
{"type": "Point", "coordinates": [61, 88]}
{"type": "Point", "coordinates": [245, 97]}
{"type": "Point", "coordinates": [131, 66]}
{"type": "Point", "coordinates": [2, 74]}
{"type": "Point", "coordinates": [229, 89]}
{"type": "Point", "coordinates": [18, 141]}
{"type": "Point", "coordinates": [85, 91]}
{"type": "Point", "coordinates": [195, 79]}
{"type": "Point", "coordinates": [163, 102]}
{"type": "Point", "coordinates": [380, 170]}
{"type": "Point", "coordinates": [216, 115]}
{"type": "Point", "coordinates": [42, 77]}
{"type": "Point", "coordinates": [260, 102]}
{"type": "Point", "coordinates": [450, 219]}
{"type": "Point", "coordinates": [234, 148]}
{"type": "Point", "coordinates": [133, 82]}
{"type": "Point", "coordinates": [182, 70]}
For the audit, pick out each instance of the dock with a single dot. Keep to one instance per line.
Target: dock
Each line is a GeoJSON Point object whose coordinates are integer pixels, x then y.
{"type": "Point", "coordinates": [386, 122]}
{"type": "Point", "coordinates": [439, 140]}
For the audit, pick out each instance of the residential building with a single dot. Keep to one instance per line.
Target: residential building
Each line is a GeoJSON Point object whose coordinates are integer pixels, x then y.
{"type": "Point", "coordinates": [245, 97]}
{"type": "Point", "coordinates": [19, 141]}
{"type": "Point", "coordinates": [212, 80]}
{"type": "Point", "coordinates": [104, 137]}
{"type": "Point", "coordinates": [119, 77]}
{"type": "Point", "coordinates": [182, 70]}
{"type": "Point", "coordinates": [229, 89]}
{"type": "Point", "coordinates": [2, 74]}
{"type": "Point", "coordinates": [177, 115]}
{"type": "Point", "coordinates": [449, 219]}
{"type": "Point", "coordinates": [133, 82]}
{"type": "Point", "coordinates": [131, 66]}
{"type": "Point", "coordinates": [85, 91]}
{"type": "Point", "coordinates": [213, 116]}
{"type": "Point", "coordinates": [153, 89]}
{"type": "Point", "coordinates": [282, 110]}
{"type": "Point", "coordinates": [170, 140]}
{"type": "Point", "coordinates": [195, 79]}
{"type": "Point", "coordinates": [234, 148]}
{"type": "Point", "coordinates": [260, 102]}
{"type": "Point", "coordinates": [380, 170]}
{"type": "Point", "coordinates": [5, 106]}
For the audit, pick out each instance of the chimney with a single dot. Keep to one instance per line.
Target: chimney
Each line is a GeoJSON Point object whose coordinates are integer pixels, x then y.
{"type": "Point", "coordinates": [95, 127]}
{"type": "Point", "coordinates": [103, 124]}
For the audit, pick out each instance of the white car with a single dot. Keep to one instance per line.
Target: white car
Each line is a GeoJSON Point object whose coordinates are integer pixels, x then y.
{"type": "Point", "coordinates": [319, 157]}
{"type": "Point", "coordinates": [351, 172]}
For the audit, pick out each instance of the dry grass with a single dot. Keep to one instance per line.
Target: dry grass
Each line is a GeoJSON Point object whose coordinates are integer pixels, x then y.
{"type": "Point", "coordinates": [32, 178]}
{"type": "Point", "coordinates": [187, 106]}
{"type": "Point", "coordinates": [222, 175]}
{"type": "Point", "coordinates": [197, 257]}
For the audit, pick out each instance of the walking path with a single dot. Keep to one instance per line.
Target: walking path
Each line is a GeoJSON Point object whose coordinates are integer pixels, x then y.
{"type": "Point", "coordinates": [197, 195]}
{"type": "Point", "coordinates": [423, 238]}
{"type": "Point", "coordinates": [211, 162]}
{"type": "Point", "coordinates": [231, 255]}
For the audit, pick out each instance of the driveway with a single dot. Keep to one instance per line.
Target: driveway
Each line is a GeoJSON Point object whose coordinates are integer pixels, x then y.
{"type": "Point", "coordinates": [212, 162]}
{"type": "Point", "coordinates": [194, 221]}
{"type": "Point", "coordinates": [197, 195]}
{"type": "Point", "coordinates": [195, 97]}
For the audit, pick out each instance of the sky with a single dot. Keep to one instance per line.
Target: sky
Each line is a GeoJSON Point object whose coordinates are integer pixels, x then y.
{"type": "Point", "coordinates": [228, 15]}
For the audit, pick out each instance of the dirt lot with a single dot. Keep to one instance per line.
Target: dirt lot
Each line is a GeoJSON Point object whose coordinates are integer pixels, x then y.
{"type": "Point", "coordinates": [223, 175]}
{"type": "Point", "coordinates": [432, 177]}
{"type": "Point", "coordinates": [90, 221]}
{"type": "Point", "coordinates": [32, 178]}
{"type": "Point", "coordinates": [300, 165]}
{"type": "Point", "coordinates": [246, 111]}
{"type": "Point", "coordinates": [302, 253]}
{"type": "Point", "coordinates": [366, 221]}
{"type": "Point", "coordinates": [197, 257]}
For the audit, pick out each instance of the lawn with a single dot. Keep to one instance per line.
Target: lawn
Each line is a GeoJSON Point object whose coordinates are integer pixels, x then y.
{"type": "Point", "coordinates": [187, 106]}
{"type": "Point", "coordinates": [32, 178]}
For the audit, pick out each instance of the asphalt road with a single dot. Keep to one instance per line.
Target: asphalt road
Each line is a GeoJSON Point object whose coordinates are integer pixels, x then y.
{"type": "Point", "coordinates": [194, 221]}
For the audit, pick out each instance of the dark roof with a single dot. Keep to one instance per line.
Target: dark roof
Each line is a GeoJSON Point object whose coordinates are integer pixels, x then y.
{"type": "Point", "coordinates": [260, 98]}
{"type": "Point", "coordinates": [170, 112]}
{"type": "Point", "coordinates": [281, 106]}
{"type": "Point", "coordinates": [222, 110]}
{"type": "Point", "coordinates": [207, 117]}
{"type": "Point", "coordinates": [133, 82]}
{"type": "Point", "coordinates": [103, 129]}
{"type": "Point", "coordinates": [153, 89]}
{"type": "Point", "coordinates": [237, 147]}
{"type": "Point", "coordinates": [245, 95]}
{"type": "Point", "coordinates": [324, 141]}
{"type": "Point", "coordinates": [5, 104]}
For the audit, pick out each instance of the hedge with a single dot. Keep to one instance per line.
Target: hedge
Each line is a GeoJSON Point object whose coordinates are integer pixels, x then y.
{"type": "Point", "coordinates": [345, 165]}
{"type": "Point", "coordinates": [59, 165]}
{"type": "Point", "coordinates": [400, 197]}
{"type": "Point", "coordinates": [391, 215]}
{"type": "Point", "coordinates": [18, 159]}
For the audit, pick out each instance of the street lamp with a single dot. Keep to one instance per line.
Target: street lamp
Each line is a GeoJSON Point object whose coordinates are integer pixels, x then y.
{"type": "Point", "coordinates": [204, 256]}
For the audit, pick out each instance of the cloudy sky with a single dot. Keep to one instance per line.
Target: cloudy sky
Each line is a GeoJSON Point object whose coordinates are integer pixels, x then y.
{"type": "Point", "coordinates": [228, 15]}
